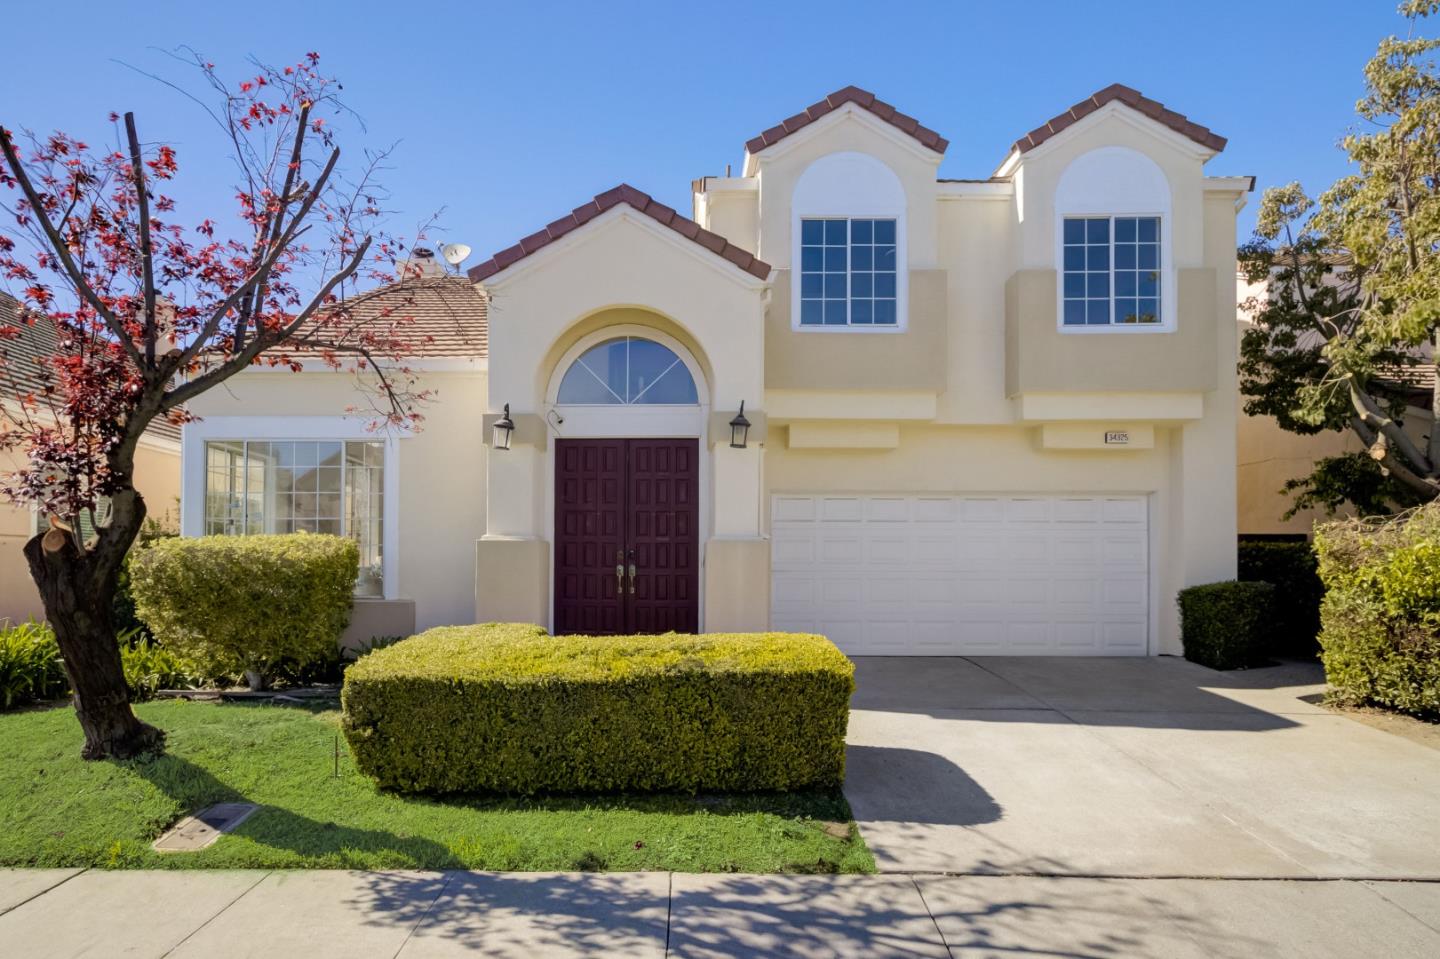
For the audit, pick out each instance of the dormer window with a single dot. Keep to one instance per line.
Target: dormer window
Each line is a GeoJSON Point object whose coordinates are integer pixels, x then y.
{"type": "Point", "coordinates": [848, 272]}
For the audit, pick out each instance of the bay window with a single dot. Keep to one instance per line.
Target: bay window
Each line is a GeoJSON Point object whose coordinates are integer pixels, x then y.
{"type": "Point", "coordinates": [289, 486]}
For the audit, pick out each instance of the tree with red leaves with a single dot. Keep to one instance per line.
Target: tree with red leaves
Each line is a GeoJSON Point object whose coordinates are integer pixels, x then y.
{"type": "Point", "coordinates": [153, 311]}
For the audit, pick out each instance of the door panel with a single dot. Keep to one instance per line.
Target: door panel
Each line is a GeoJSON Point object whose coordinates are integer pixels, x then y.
{"type": "Point", "coordinates": [627, 502]}
{"type": "Point", "coordinates": [589, 535]}
{"type": "Point", "coordinates": [663, 541]}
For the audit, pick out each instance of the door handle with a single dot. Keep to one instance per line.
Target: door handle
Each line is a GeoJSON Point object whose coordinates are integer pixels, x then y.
{"type": "Point", "coordinates": [620, 571]}
{"type": "Point", "coordinates": [632, 571]}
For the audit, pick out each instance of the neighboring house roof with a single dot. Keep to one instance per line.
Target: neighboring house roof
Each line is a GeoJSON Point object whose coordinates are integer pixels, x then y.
{"type": "Point", "coordinates": [448, 316]}
{"type": "Point", "coordinates": [1131, 98]}
{"type": "Point", "coordinates": [21, 360]}
{"type": "Point", "coordinates": [641, 203]}
{"type": "Point", "coordinates": [861, 98]}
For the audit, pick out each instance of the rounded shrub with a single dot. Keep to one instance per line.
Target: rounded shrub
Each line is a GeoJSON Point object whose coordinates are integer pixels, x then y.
{"type": "Point", "coordinates": [1227, 625]}
{"type": "Point", "coordinates": [233, 604]}
{"type": "Point", "coordinates": [510, 709]}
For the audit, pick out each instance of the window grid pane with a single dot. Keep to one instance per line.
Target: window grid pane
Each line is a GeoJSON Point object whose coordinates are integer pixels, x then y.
{"type": "Point", "coordinates": [848, 271]}
{"type": "Point", "coordinates": [326, 486]}
{"type": "Point", "coordinates": [1110, 271]}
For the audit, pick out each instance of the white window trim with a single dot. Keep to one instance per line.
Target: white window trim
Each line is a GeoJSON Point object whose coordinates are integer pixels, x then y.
{"type": "Point", "coordinates": [849, 325]}
{"type": "Point", "coordinates": [829, 196]}
{"type": "Point", "coordinates": [261, 429]}
{"type": "Point", "coordinates": [1167, 273]}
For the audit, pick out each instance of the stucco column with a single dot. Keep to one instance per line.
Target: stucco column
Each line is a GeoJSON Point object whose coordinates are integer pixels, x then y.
{"type": "Point", "coordinates": [512, 559]}
{"type": "Point", "coordinates": [737, 556]}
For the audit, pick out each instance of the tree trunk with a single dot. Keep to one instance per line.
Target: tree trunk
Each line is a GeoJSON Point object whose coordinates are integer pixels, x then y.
{"type": "Point", "coordinates": [78, 591]}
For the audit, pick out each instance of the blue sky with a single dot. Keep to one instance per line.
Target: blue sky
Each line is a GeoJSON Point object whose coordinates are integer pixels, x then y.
{"type": "Point", "coordinates": [507, 115]}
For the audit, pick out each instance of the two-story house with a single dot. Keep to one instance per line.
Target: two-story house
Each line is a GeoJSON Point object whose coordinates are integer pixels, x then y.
{"type": "Point", "coordinates": [984, 416]}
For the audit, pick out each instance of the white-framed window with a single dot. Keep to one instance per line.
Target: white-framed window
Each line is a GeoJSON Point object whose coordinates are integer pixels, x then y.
{"type": "Point", "coordinates": [628, 371]}
{"type": "Point", "coordinates": [295, 485]}
{"type": "Point", "coordinates": [848, 247]}
{"type": "Point", "coordinates": [848, 271]}
{"type": "Point", "coordinates": [1111, 271]}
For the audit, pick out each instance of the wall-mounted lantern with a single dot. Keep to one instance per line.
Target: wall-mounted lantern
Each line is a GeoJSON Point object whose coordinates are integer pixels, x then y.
{"type": "Point", "coordinates": [739, 429]}
{"type": "Point", "coordinates": [502, 430]}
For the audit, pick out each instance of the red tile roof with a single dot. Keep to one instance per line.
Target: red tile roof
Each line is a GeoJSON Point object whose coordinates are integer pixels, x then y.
{"type": "Point", "coordinates": [861, 98]}
{"type": "Point", "coordinates": [638, 201]}
{"type": "Point", "coordinates": [1132, 98]}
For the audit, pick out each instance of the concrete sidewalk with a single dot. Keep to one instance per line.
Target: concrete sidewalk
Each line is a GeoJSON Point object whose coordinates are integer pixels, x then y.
{"type": "Point", "coordinates": [222, 915]}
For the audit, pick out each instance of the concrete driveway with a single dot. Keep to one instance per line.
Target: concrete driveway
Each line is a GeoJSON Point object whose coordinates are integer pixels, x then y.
{"type": "Point", "coordinates": [1131, 768]}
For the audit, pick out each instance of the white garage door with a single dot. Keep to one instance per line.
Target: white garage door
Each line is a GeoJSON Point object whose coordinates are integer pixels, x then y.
{"type": "Point", "coordinates": [963, 575]}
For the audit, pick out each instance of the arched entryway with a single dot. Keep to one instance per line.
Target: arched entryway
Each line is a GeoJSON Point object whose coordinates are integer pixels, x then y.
{"type": "Point", "coordinates": [630, 407]}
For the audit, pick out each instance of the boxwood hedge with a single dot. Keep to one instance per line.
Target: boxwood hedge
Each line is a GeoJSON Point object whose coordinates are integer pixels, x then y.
{"type": "Point", "coordinates": [508, 709]}
{"type": "Point", "coordinates": [1227, 625]}
{"type": "Point", "coordinates": [228, 604]}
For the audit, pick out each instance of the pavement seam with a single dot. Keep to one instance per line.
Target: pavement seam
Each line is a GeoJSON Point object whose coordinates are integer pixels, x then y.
{"type": "Point", "coordinates": [1368, 884]}
{"type": "Point", "coordinates": [669, 909]}
{"type": "Point", "coordinates": [933, 921]}
{"type": "Point", "coordinates": [449, 878]}
{"type": "Point", "coordinates": [218, 912]}
{"type": "Point", "coordinates": [1158, 877]}
{"type": "Point", "coordinates": [78, 872]}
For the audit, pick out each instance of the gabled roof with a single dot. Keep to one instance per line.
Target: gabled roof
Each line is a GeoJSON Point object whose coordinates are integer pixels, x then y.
{"type": "Point", "coordinates": [22, 360]}
{"type": "Point", "coordinates": [861, 98]}
{"type": "Point", "coordinates": [641, 203]}
{"type": "Point", "coordinates": [1135, 100]}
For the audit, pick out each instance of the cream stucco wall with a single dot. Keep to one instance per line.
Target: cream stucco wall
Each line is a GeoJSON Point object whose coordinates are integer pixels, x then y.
{"type": "Point", "coordinates": [440, 475]}
{"type": "Point", "coordinates": [157, 477]}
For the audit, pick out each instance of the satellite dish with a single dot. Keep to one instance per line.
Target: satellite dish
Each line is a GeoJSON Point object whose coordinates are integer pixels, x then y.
{"type": "Point", "coordinates": [455, 253]}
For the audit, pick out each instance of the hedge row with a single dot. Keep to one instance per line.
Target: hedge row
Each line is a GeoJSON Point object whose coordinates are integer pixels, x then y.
{"type": "Point", "coordinates": [1291, 568]}
{"type": "Point", "coordinates": [1380, 619]}
{"type": "Point", "coordinates": [509, 709]}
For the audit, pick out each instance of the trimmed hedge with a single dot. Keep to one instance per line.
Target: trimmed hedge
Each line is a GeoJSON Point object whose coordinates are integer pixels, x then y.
{"type": "Point", "coordinates": [230, 604]}
{"type": "Point", "coordinates": [1227, 625]}
{"type": "Point", "coordinates": [506, 708]}
{"type": "Point", "coordinates": [1291, 568]}
{"type": "Point", "coordinates": [1380, 619]}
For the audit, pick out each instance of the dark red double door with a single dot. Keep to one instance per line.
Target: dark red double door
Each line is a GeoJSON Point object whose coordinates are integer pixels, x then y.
{"type": "Point", "coordinates": [627, 546]}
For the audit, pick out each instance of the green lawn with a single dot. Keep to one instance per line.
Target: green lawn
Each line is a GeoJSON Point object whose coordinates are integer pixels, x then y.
{"type": "Point", "coordinates": [62, 811]}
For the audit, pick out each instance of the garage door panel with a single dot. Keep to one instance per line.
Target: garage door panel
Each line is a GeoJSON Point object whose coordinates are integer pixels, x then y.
{"type": "Point", "coordinates": [968, 575]}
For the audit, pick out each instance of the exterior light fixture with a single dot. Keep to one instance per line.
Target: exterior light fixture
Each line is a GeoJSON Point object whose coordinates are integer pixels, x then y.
{"type": "Point", "coordinates": [739, 429]}
{"type": "Point", "coordinates": [504, 426]}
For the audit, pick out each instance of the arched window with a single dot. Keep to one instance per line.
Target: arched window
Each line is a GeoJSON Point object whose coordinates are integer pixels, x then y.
{"type": "Point", "coordinates": [626, 371]}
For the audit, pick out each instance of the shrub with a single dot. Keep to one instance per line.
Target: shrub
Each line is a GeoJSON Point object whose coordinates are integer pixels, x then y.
{"type": "Point", "coordinates": [1290, 567]}
{"type": "Point", "coordinates": [124, 605]}
{"type": "Point", "coordinates": [1227, 625]}
{"type": "Point", "coordinates": [1380, 620]}
{"type": "Point", "coordinates": [30, 664]}
{"type": "Point", "coordinates": [509, 709]}
{"type": "Point", "coordinates": [150, 667]}
{"type": "Point", "coordinates": [231, 604]}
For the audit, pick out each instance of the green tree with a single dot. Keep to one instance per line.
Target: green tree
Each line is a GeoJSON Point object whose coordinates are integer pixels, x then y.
{"type": "Point", "coordinates": [1353, 306]}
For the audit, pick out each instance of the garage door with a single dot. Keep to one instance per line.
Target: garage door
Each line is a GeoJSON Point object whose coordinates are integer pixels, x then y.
{"type": "Point", "coordinates": [963, 575]}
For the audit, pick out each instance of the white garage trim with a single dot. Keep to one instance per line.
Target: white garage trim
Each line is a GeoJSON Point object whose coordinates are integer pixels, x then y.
{"type": "Point", "coordinates": [974, 574]}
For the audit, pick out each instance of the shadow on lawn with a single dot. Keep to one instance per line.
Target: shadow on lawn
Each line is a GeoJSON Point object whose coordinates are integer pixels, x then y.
{"type": "Point", "coordinates": [192, 787]}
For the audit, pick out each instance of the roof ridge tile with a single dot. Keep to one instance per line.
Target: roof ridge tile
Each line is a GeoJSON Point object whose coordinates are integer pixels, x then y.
{"type": "Point", "coordinates": [640, 202]}
{"type": "Point", "coordinates": [861, 98]}
{"type": "Point", "coordinates": [1132, 98]}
